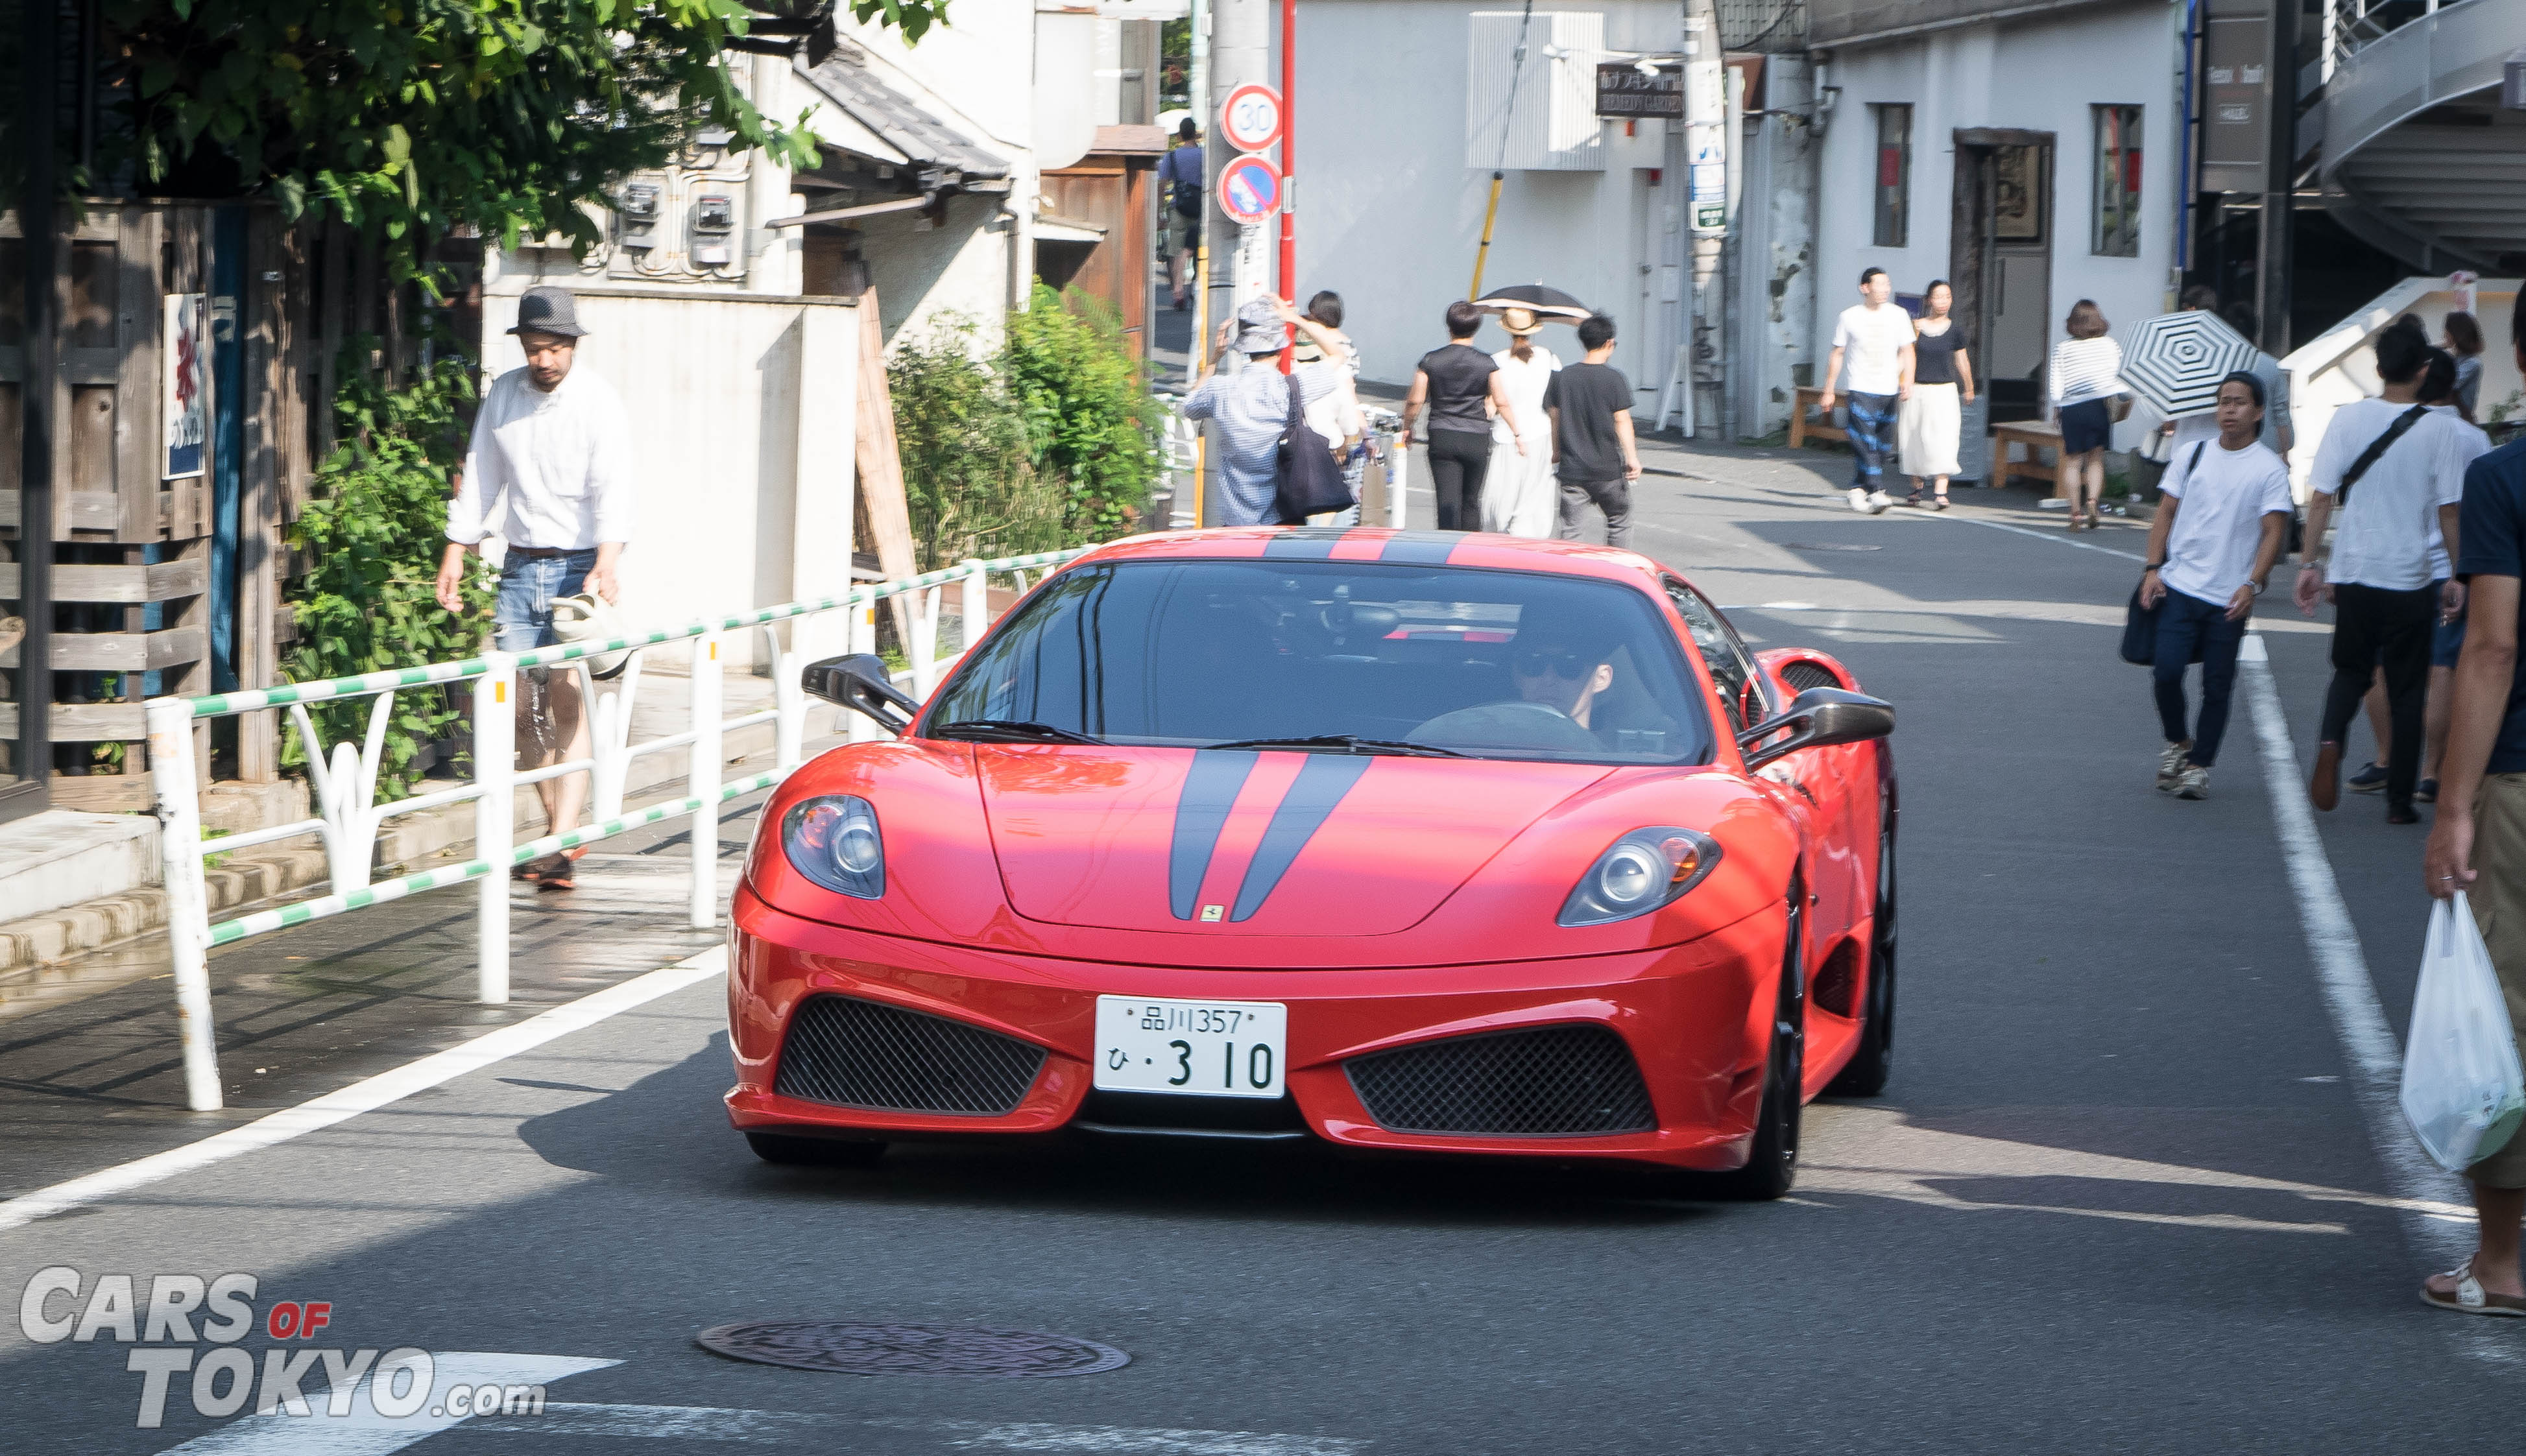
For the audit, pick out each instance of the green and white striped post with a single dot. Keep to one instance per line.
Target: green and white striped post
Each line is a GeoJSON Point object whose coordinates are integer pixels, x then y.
{"type": "Point", "coordinates": [188, 912]}
{"type": "Point", "coordinates": [495, 820]}
{"type": "Point", "coordinates": [702, 782]}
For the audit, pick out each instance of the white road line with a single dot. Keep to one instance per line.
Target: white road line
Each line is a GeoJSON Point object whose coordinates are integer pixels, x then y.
{"type": "Point", "coordinates": [703, 1423]}
{"type": "Point", "coordinates": [2056, 537]}
{"type": "Point", "coordinates": [365, 1096]}
{"type": "Point", "coordinates": [362, 1432]}
{"type": "Point", "coordinates": [2351, 999]}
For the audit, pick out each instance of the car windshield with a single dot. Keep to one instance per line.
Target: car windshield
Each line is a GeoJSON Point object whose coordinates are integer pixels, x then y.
{"type": "Point", "coordinates": [1356, 656]}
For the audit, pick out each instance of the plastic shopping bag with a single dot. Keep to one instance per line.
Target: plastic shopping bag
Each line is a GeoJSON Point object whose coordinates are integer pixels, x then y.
{"type": "Point", "coordinates": [2463, 1092]}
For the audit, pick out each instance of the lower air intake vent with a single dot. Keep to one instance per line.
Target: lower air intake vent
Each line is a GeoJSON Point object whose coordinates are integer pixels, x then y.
{"type": "Point", "coordinates": [1554, 1081]}
{"type": "Point", "coordinates": [861, 1054]}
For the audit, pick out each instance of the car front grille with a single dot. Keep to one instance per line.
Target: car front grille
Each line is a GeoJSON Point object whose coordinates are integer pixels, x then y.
{"type": "Point", "coordinates": [1551, 1081]}
{"type": "Point", "coordinates": [860, 1054]}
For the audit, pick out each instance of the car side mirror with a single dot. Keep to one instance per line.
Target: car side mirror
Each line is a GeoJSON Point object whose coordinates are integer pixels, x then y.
{"type": "Point", "coordinates": [861, 684]}
{"type": "Point", "coordinates": [1818, 717]}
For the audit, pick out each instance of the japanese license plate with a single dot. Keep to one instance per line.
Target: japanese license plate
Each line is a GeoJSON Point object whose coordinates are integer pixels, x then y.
{"type": "Point", "coordinates": [1210, 1048]}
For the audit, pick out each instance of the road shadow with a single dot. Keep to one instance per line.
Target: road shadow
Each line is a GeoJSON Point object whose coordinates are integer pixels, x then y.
{"type": "Point", "coordinates": [669, 1133]}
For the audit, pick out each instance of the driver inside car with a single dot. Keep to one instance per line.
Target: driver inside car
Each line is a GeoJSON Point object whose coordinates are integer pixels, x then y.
{"type": "Point", "coordinates": [1560, 671]}
{"type": "Point", "coordinates": [1561, 668]}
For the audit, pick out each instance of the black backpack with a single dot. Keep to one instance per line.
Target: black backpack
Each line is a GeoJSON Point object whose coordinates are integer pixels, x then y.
{"type": "Point", "coordinates": [1306, 480]}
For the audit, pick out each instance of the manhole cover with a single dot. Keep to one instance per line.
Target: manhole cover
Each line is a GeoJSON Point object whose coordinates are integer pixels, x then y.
{"type": "Point", "coordinates": [1829, 546]}
{"type": "Point", "coordinates": [850, 1348]}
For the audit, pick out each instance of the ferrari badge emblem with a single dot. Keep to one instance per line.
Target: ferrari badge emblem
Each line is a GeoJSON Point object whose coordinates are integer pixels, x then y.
{"type": "Point", "coordinates": [1211, 912]}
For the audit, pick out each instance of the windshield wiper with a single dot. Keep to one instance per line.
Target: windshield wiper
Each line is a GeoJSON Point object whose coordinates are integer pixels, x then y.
{"type": "Point", "coordinates": [1008, 730]}
{"type": "Point", "coordinates": [1346, 743]}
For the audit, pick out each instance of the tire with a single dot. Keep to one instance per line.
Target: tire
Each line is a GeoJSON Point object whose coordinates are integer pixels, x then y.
{"type": "Point", "coordinates": [791, 1151]}
{"type": "Point", "coordinates": [1874, 1062]}
{"type": "Point", "coordinates": [1773, 1166]}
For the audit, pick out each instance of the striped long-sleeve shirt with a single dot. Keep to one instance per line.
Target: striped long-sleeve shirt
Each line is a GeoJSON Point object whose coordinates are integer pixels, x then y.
{"type": "Point", "coordinates": [2085, 369]}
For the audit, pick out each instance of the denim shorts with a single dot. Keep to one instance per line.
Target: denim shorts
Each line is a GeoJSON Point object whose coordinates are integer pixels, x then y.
{"type": "Point", "coordinates": [2086, 425]}
{"type": "Point", "coordinates": [522, 619]}
{"type": "Point", "coordinates": [2447, 643]}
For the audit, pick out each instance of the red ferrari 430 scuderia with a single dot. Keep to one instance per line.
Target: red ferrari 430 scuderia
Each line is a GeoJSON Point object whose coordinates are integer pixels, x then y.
{"type": "Point", "coordinates": [1402, 840]}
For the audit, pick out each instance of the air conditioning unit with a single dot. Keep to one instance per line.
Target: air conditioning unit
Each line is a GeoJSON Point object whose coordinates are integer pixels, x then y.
{"type": "Point", "coordinates": [1543, 107]}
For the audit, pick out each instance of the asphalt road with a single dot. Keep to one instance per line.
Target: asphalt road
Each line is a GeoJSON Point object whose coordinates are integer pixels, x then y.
{"type": "Point", "coordinates": [2122, 1194]}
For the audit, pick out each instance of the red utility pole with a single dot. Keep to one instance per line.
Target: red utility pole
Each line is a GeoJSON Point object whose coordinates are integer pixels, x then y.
{"type": "Point", "coordinates": [1288, 161]}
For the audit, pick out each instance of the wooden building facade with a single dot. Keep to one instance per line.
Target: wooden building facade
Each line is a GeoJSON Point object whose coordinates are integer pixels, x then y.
{"type": "Point", "coordinates": [167, 551]}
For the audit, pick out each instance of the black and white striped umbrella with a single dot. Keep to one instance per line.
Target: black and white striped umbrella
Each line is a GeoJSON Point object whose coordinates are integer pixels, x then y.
{"type": "Point", "coordinates": [2175, 361]}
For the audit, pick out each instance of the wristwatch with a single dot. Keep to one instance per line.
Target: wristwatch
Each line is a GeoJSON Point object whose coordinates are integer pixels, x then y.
{"type": "Point", "coordinates": [2259, 588]}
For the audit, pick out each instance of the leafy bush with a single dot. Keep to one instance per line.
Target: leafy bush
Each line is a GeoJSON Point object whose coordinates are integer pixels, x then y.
{"type": "Point", "coordinates": [1089, 421]}
{"type": "Point", "coordinates": [371, 541]}
{"type": "Point", "coordinates": [967, 477]}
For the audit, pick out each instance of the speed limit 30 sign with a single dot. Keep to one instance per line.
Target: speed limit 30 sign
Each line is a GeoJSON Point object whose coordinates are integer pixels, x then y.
{"type": "Point", "coordinates": [1251, 118]}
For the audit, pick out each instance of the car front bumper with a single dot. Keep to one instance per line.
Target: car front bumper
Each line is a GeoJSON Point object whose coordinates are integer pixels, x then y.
{"type": "Point", "coordinates": [1686, 1014]}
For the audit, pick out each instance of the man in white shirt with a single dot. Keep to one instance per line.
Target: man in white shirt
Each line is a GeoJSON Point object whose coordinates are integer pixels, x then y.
{"type": "Point", "coordinates": [2210, 553]}
{"type": "Point", "coordinates": [1874, 338]}
{"type": "Point", "coordinates": [2382, 458]}
{"type": "Point", "coordinates": [550, 470]}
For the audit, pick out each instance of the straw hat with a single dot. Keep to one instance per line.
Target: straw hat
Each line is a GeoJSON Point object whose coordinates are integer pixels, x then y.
{"type": "Point", "coordinates": [1521, 322]}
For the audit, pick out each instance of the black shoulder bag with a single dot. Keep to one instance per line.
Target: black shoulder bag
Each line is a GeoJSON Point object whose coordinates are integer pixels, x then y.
{"type": "Point", "coordinates": [1306, 478]}
{"type": "Point", "coordinates": [2139, 623]}
{"type": "Point", "coordinates": [2376, 447]}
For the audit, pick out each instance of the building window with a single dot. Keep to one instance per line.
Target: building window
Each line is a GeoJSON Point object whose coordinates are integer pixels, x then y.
{"type": "Point", "coordinates": [2117, 182]}
{"type": "Point", "coordinates": [1893, 176]}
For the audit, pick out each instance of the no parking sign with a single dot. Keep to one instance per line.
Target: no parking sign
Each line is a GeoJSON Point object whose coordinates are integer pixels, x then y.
{"type": "Point", "coordinates": [1249, 189]}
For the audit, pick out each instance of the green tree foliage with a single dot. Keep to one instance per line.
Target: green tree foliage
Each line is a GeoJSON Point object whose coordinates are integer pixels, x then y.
{"type": "Point", "coordinates": [370, 543]}
{"type": "Point", "coordinates": [409, 117]}
{"type": "Point", "coordinates": [1089, 421]}
{"type": "Point", "coordinates": [969, 483]}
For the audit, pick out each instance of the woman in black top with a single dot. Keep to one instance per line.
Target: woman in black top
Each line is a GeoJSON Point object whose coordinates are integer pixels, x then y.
{"type": "Point", "coordinates": [1931, 424]}
{"type": "Point", "coordinates": [1461, 387]}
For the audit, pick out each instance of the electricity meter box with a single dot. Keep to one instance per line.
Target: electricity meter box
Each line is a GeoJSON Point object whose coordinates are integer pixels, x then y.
{"type": "Point", "coordinates": [714, 227]}
{"type": "Point", "coordinates": [639, 212]}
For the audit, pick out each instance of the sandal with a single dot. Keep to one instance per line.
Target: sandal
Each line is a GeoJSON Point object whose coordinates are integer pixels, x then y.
{"type": "Point", "coordinates": [549, 871]}
{"type": "Point", "coordinates": [1939, 504]}
{"type": "Point", "coordinates": [2468, 1297]}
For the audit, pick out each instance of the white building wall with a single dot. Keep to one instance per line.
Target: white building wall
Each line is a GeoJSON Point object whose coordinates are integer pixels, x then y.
{"type": "Point", "coordinates": [2040, 76]}
{"type": "Point", "coordinates": [1389, 215]}
{"type": "Point", "coordinates": [742, 436]}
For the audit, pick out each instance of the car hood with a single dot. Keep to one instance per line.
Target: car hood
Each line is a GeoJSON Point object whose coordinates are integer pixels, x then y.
{"type": "Point", "coordinates": [1237, 842]}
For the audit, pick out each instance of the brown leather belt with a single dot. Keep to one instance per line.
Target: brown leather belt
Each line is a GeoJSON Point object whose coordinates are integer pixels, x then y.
{"type": "Point", "coordinates": [537, 553]}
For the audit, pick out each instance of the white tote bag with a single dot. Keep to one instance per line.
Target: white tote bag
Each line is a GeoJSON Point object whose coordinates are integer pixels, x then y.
{"type": "Point", "coordinates": [2463, 1092]}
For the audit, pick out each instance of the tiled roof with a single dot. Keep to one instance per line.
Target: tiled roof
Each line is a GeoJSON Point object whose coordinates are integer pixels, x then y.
{"type": "Point", "coordinates": [847, 82]}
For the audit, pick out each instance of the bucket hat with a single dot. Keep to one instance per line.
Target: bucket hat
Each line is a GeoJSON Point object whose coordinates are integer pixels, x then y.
{"type": "Point", "coordinates": [544, 309]}
{"type": "Point", "coordinates": [1260, 329]}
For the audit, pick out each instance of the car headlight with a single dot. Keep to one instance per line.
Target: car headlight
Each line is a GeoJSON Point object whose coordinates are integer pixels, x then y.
{"type": "Point", "coordinates": [833, 840]}
{"type": "Point", "coordinates": [1643, 871]}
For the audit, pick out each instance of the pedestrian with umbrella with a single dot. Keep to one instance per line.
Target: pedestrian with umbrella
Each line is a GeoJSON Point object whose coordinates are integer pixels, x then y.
{"type": "Point", "coordinates": [1521, 497]}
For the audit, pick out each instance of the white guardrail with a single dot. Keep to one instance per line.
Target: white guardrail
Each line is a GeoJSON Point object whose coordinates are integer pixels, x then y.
{"type": "Point", "coordinates": [346, 781]}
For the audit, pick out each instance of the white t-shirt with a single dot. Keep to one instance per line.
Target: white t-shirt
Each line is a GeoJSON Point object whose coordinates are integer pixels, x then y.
{"type": "Point", "coordinates": [2210, 549]}
{"type": "Point", "coordinates": [2387, 532]}
{"type": "Point", "coordinates": [2465, 444]}
{"type": "Point", "coordinates": [1872, 341]}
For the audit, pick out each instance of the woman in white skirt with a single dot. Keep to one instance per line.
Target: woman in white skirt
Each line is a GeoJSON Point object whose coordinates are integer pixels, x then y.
{"type": "Point", "coordinates": [1932, 422]}
{"type": "Point", "coordinates": [1521, 498]}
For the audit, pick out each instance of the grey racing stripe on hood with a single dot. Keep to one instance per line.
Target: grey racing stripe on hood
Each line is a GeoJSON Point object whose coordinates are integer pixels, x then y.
{"type": "Point", "coordinates": [1312, 797]}
{"type": "Point", "coordinates": [1210, 790]}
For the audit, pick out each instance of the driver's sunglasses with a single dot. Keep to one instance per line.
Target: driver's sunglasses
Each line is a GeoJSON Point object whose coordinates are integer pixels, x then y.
{"type": "Point", "coordinates": [1560, 662]}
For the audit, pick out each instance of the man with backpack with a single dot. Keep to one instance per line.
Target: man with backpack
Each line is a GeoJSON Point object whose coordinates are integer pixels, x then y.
{"type": "Point", "coordinates": [2387, 590]}
{"type": "Point", "coordinates": [1179, 172]}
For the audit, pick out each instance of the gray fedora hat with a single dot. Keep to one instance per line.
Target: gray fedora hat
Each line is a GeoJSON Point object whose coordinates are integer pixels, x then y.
{"type": "Point", "coordinates": [544, 309]}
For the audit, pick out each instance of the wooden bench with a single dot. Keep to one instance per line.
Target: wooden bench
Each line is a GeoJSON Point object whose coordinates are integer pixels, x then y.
{"type": "Point", "coordinates": [2036, 436]}
{"type": "Point", "coordinates": [1823, 429]}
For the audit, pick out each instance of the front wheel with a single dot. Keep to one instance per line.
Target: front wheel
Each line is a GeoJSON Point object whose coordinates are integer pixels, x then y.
{"type": "Point", "coordinates": [1874, 1062]}
{"type": "Point", "coordinates": [1773, 1166]}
